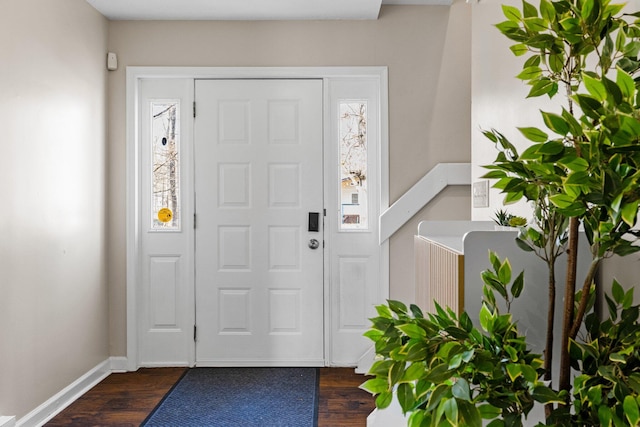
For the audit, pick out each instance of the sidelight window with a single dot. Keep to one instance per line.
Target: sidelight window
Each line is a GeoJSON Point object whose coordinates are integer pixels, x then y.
{"type": "Point", "coordinates": [353, 165]}
{"type": "Point", "coordinates": [165, 134]}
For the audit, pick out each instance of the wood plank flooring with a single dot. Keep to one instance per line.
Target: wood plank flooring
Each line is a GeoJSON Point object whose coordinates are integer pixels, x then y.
{"type": "Point", "coordinates": [125, 399]}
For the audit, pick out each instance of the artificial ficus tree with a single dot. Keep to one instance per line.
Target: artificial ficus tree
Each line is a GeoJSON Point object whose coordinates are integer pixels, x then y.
{"type": "Point", "coordinates": [584, 167]}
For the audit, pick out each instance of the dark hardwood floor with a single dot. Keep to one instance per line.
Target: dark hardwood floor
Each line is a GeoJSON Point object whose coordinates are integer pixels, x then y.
{"type": "Point", "coordinates": [125, 399]}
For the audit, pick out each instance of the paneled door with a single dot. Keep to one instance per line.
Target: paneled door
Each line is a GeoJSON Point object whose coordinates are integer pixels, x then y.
{"type": "Point", "coordinates": [259, 199]}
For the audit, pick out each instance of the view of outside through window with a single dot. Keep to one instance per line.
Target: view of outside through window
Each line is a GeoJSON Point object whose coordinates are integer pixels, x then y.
{"type": "Point", "coordinates": [165, 134]}
{"type": "Point", "coordinates": [353, 165]}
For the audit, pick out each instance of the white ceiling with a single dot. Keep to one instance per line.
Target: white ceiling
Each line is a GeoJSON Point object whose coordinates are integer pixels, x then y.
{"type": "Point", "coordinates": [205, 10]}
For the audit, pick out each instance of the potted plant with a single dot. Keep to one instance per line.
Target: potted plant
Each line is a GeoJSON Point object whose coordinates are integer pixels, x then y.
{"type": "Point", "coordinates": [581, 170]}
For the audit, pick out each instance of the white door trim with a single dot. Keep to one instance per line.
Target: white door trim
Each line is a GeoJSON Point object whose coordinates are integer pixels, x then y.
{"type": "Point", "coordinates": [133, 231]}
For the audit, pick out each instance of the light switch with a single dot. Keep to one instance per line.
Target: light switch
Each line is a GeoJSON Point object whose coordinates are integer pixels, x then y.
{"type": "Point", "coordinates": [481, 194]}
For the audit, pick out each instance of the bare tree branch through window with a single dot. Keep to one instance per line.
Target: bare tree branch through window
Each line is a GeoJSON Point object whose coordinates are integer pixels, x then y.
{"type": "Point", "coordinates": [166, 166]}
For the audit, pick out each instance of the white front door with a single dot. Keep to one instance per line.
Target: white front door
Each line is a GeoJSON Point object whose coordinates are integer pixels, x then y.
{"type": "Point", "coordinates": [258, 176]}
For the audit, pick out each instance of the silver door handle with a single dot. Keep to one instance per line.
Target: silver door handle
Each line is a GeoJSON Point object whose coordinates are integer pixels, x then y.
{"type": "Point", "coordinates": [314, 244]}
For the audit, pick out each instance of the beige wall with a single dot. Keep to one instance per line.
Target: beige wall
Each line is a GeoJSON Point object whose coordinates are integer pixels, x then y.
{"type": "Point", "coordinates": [427, 50]}
{"type": "Point", "coordinates": [499, 98]}
{"type": "Point", "coordinates": [53, 287]}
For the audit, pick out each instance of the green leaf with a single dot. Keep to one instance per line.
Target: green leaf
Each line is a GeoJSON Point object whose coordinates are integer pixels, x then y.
{"type": "Point", "coordinates": [412, 330]}
{"type": "Point", "coordinates": [509, 28]}
{"type": "Point", "coordinates": [617, 292]}
{"type": "Point", "coordinates": [504, 273]}
{"type": "Point", "coordinates": [439, 373]}
{"type": "Point", "coordinates": [626, 84]}
{"type": "Point", "coordinates": [574, 126]}
{"type": "Point", "coordinates": [533, 61]}
{"type": "Point", "coordinates": [594, 394]}
{"type": "Point", "coordinates": [628, 300]}
{"type": "Point", "coordinates": [489, 412]}
{"type": "Point", "coordinates": [514, 370]}
{"type": "Point", "coordinates": [519, 49]}
{"type": "Point", "coordinates": [577, 178]}
{"type": "Point", "coordinates": [406, 397]}
{"type": "Point", "coordinates": [590, 106]}
{"type": "Point", "coordinates": [384, 399]}
{"type": "Point", "coordinates": [587, 8]}
{"type": "Point", "coordinates": [513, 197]}
{"type": "Point", "coordinates": [522, 244]}
{"type": "Point", "coordinates": [455, 361]}
{"type": "Point", "coordinates": [511, 13]}
{"type": "Point", "coordinates": [492, 281]}
{"type": "Point", "coordinates": [397, 307]}
{"type": "Point", "coordinates": [396, 372]}
{"type": "Point", "coordinates": [461, 389]}
{"type": "Point", "coordinates": [529, 73]}
{"type": "Point", "coordinates": [375, 385]}
{"type": "Point", "coordinates": [618, 358]}
{"type": "Point", "coordinates": [494, 175]}
{"type": "Point", "coordinates": [529, 373]}
{"type": "Point", "coordinates": [621, 41]}
{"type": "Point", "coordinates": [574, 163]}
{"type": "Point", "coordinates": [529, 10]}
{"type": "Point", "coordinates": [631, 410]}
{"type": "Point", "coordinates": [383, 311]}
{"type": "Point", "coordinates": [380, 367]}
{"type": "Point", "coordinates": [551, 148]}
{"type": "Point", "coordinates": [451, 411]}
{"type": "Point", "coordinates": [416, 350]}
{"type": "Point", "coordinates": [486, 319]}
{"type": "Point", "coordinates": [561, 200]}
{"type": "Point", "coordinates": [414, 372]}
{"type": "Point", "coordinates": [541, 87]}
{"type": "Point", "coordinates": [595, 87]}
{"type": "Point", "coordinates": [373, 334]}
{"type": "Point", "coordinates": [556, 123]}
{"type": "Point", "coordinates": [416, 311]}
{"type": "Point", "coordinates": [547, 10]}
{"type": "Point", "coordinates": [544, 394]}
{"type": "Point", "coordinates": [556, 63]}
{"type": "Point", "coordinates": [518, 285]}
{"type": "Point", "coordinates": [494, 260]}
{"type": "Point", "coordinates": [629, 213]}
{"type": "Point", "coordinates": [465, 322]}
{"type": "Point", "coordinates": [604, 416]}
{"type": "Point", "coordinates": [436, 396]}
{"type": "Point", "coordinates": [419, 418]}
{"type": "Point", "coordinates": [470, 414]}
{"type": "Point", "coordinates": [535, 24]}
{"type": "Point", "coordinates": [533, 134]}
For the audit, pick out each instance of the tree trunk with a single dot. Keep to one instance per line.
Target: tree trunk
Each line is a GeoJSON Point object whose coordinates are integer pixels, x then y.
{"type": "Point", "coordinates": [548, 349]}
{"type": "Point", "coordinates": [569, 300]}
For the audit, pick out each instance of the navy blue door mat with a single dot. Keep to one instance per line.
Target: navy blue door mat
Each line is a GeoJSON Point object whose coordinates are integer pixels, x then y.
{"type": "Point", "coordinates": [240, 397]}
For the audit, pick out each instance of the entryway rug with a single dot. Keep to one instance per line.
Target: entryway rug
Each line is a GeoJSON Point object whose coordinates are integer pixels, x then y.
{"type": "Point", "coordinates": [240, 397]}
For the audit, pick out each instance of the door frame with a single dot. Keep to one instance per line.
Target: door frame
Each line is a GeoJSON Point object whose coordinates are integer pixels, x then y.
{"type": "Point", "coordinates": [133, 169]}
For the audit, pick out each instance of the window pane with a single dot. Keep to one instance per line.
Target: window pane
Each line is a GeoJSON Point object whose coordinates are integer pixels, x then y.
{"type": "Point", "coordinates": [165, 134]}
{"type": "Point", "coordinates": [353, 165]}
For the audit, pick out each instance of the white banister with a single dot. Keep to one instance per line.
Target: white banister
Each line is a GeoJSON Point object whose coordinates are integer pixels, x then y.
{"type": "Point", "coordinates": [442, 175]}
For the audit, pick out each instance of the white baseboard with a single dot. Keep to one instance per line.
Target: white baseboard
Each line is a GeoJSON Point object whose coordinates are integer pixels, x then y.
{"type": "Point", "coordinates": [66, 396]}
{"type": "Point", "coordinates": [119, 364]}
{"type": "Point", "coordinates": [7, 421]}
{"type": "Point", "coordinates": [366, 361]}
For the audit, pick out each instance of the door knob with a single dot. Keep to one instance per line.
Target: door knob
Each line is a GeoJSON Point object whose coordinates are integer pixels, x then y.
{"type": "Point", "coordinates": [314, 244]}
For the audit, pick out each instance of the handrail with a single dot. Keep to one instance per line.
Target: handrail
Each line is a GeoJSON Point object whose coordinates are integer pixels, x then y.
{"type": "Point", "coordinates": [423, 191]}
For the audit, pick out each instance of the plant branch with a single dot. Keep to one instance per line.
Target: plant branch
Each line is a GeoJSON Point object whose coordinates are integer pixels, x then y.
{"type": "Point", "coordinates": [584, 298]}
